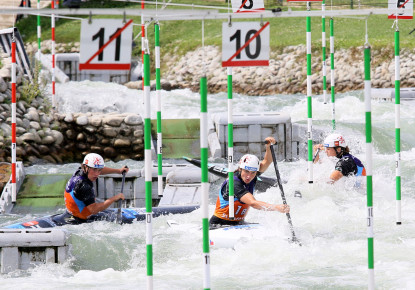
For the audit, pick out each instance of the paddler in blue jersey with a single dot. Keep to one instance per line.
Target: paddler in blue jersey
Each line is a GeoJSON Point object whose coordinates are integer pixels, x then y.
{"type": "Point", "coordinates": [347, 165]}
{"type": "Point", "coordinates": [245, 179]}
{"type": "Point", "coordinates": [79, 191]}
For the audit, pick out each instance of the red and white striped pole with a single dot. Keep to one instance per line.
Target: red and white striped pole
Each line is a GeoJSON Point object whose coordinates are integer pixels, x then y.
{"type": "Point", "coordinates": [143, 37]}
{"type": "Point", "coordinates": [13, 77]}
{"type": "Point", "coordinates": [53, 57]}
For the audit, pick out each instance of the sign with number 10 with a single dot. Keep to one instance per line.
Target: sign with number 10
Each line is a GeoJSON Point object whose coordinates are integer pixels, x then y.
{"type": "Point", "coordinates": [245, 44]}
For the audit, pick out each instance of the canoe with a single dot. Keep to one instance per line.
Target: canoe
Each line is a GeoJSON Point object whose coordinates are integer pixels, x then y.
{"type": "Point", "coordinates": [129, 215]}
{"type": "Point", "coordinates": [229, 236]}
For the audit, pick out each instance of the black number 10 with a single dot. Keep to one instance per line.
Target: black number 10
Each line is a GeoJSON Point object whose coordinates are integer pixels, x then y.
{"type": "Point", "coordinates": [237, 36]}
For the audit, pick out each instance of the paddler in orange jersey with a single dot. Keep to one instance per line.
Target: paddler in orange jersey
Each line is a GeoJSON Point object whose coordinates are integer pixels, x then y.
{"type": "Point", "coordinates": [79, 192]}
{"type": "Point", "coordinates": [245, 179]}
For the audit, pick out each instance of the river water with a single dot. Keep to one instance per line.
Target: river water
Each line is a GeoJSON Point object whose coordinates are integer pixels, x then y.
{"type": "Point", "coordinates": [330, 220]}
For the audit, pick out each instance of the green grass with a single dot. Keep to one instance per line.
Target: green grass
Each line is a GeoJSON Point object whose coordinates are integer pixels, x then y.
{"type": "Point", "coordinates": [178, 37]}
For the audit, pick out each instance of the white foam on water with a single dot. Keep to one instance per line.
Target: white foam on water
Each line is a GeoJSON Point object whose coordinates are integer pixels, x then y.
{"type": "Point", "coordinates": [329, 220]}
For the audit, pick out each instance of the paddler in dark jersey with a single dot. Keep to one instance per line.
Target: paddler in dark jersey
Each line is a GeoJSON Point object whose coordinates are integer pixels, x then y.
{"type": "Point", "coordinates": [244, 184]}
{"type": "Point", "coordinates": [347, 164]}
{"type": "Point", "coordinates": [79, 192]}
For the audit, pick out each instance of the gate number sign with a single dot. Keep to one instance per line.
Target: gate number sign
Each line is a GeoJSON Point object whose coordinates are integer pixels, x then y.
{"type": "Point", "coordinates": [106, 44]}
{"type": "Point", "coordinates": [404, 9]}
{"type": "Point", "coordinates": [245, 44]}
{"type": "Point", "coordinates": [243, 6]}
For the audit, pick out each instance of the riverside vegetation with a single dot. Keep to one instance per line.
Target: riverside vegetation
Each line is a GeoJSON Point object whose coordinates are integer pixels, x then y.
{"type": "Point", "coordinates": [46, 137]}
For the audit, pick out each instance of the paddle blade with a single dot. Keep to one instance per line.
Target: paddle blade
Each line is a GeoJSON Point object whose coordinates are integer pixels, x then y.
{"type": "Point", "coordinates": [295, 241]}
{"type": "Point", "coordinates": [119, 216]}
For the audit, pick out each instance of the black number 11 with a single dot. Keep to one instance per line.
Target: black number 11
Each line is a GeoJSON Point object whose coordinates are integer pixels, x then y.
{"type": "Point", "coordinates": [100, 35]}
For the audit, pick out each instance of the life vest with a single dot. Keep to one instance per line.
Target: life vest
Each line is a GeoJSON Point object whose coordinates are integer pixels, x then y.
{"type": "Point", "coordinates": [75, 206]}
{"type": "Point", "coordinates": [240, 208]}
{"type": "Point", "coordinates": [361, 171]}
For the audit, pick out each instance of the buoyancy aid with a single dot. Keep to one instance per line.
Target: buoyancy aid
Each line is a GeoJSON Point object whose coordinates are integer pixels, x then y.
{"type": "Point", "coordinates": [241, 209]}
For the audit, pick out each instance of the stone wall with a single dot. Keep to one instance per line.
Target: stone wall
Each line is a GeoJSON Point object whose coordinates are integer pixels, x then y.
{"type": "Point", "coordinates": [67, 138]}
{"type": "Point", "coordinates": [56, 138]}
{"type": "Point", "coordinates": [115, 136]}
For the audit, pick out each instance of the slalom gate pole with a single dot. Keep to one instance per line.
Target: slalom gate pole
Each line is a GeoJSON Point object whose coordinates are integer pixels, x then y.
{"type": "Point", "coordinates": [53, 58]}
{"type": "Point", "coordinates": [158, 93]}
{"type": "Point", "coordinates": [323, 44]}
{"type": "Point", "coordinates": [148, 171]}
{"type": "Point", "coordinates": [205, 180]}
{"type": "Point", "coordinates": [230, 147]}
{"type": "Point", "coordinates": [333, 108]}
{"type": "Point", "coordinates": [38, 33]}
{"type": "Point", "coordinates": [369, 181]}
{"type": "Point", "coordinates": [204, 168]}
{"type": "Point", "coordinates": [397, 126]}
{"type": "Point", "coordinates": [143, 37]}
{"type": "Point", "coordinates": [13, 83]}
{"type": "Point", "coordinates": [309, 99]}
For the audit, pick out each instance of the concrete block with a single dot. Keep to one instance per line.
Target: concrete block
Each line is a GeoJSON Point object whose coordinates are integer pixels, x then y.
{"type": "Point", "coordinates": [9, 259]}
{"type": "Point", "coordinates": [250, 131]}
{"type": "Point", "coordinates": [23, 248]}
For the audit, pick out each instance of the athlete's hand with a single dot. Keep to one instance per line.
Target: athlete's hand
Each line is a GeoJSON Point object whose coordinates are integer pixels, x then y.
{"type": "Point", "coordinates": [124, 169]}
{"type": "Point", "coordinates": [318, 146]}
{"type": "Point", "coordinates": [269, 141]}
{"type": "Point", "coordinates": [283, 208]}
{"type": "Point", "coordinates": [119, 196]}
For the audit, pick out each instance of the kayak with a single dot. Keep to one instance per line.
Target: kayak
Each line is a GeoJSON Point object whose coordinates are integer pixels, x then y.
{"type": "Point", "coordinates": [129, 215]}
{"type": "Point", "coordinates": [229, 236]}
{"type": "Point", "coordinates": [223, 236]}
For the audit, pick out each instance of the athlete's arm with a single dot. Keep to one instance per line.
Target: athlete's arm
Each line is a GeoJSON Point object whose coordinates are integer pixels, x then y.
{"type": "Point", "coordinates": [315, 148]}
{"type": "Point", "coordinates": [266, 162]}
{"type": "Point", "coordinates": [335, 175]}
{"type": "Point", "coordinates": [250, 200]}
{"type": "Point", "coordinates": [100, 206]}
{"type": "Point", "coordinates": [109, 170]}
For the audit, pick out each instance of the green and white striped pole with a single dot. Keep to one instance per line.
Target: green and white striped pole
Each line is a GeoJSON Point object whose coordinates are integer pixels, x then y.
{"type": "Point", "coordinates": [398, 126]}
{"type": "Point", "coordinates": [230, 147]}
{"type": "Point", "coordinates": [323, 44]}
{"type": "Point", "coordinates": [309, 99]}
{"type": "Point", "coordinates": [369, 185]}
{"type": "Point", "coordinates": [205, 180]}
{"type": "Point", "coordinates": [38, 32]}
{"type": "Point", "coordinates": [333, 99]}
{"type": "Point", "coordinates": [158, 93]}
{"type": "Point", "coordinates": [148, 171]}
{"type": "Point", "coordinates": [204, 168]}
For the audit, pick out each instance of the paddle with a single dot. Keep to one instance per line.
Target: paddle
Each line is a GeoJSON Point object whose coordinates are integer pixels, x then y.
{"type": "Point", "coordinates": [294, 238]}
{"type": "Point", "coordinates": [119, 217]}
{"type": "Point", "coordinates": [315, 155]}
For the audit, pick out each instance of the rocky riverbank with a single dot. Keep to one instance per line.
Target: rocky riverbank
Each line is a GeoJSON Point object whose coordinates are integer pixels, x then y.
{"type": "Point", "coordinates": [286, 73]}
{"type": "Point", "coordinates": [43, 136]}
{"type": "Point", "coordinates": [46, 137]}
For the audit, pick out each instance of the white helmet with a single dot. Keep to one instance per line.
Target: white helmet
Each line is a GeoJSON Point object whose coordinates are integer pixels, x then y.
{"type": "Point", "coordinates": [249, 162]}
{"type": "Point", "coordinates": [94, 160]}
{"type": "Point", "coordinates": [335, 140]}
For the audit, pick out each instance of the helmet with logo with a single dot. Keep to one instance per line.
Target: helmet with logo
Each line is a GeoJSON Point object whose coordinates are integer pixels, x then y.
{"type": "Point", "coordinates": [249, 162]}
{"type": "Point", "coordinates": [335, 140]}
{"type": "Point", "coordinates": [94, 160]}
